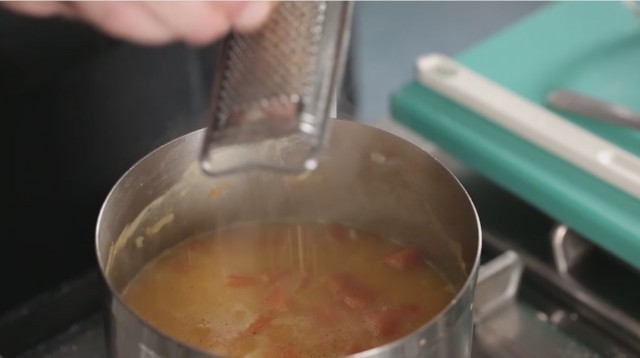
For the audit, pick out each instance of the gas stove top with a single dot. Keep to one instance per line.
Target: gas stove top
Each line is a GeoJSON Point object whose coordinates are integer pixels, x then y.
{"type": "Point", "coordinates": [543, 291]}
{"type": "Point", "coordinates": [545, 314]}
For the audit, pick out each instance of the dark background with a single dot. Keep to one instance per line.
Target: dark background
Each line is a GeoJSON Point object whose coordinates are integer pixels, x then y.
{"type": "Point", "coordinates": [79, 109]}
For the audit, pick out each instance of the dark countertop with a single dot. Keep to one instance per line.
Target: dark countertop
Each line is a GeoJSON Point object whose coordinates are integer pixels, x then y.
{"type": "Point", "coordinates": [84, 339]}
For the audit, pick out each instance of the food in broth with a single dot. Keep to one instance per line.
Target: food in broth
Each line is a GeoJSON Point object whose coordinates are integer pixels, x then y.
{"type": "Point", "coordinates": [288, 290]}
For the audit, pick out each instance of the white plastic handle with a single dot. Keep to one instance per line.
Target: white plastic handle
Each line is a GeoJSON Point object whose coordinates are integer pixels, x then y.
{"type": "Point", "coordinates": [534, 123]}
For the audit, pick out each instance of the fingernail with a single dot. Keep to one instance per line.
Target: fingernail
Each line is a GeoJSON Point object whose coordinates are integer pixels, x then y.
{"type": "Point", "coordinates": [252, 16]}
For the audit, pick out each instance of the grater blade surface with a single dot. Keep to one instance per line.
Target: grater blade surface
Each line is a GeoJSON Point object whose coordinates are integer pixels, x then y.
{"type": "Point", "coordinates": [276, 86]}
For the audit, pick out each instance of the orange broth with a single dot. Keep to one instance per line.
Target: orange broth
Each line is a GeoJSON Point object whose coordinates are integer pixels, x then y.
{"type": "Point", "coordinates": [288, 290]}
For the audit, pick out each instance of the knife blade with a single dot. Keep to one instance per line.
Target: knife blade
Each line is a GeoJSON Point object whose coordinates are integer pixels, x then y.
{"type": "Point", "coordinates": [573, 102]}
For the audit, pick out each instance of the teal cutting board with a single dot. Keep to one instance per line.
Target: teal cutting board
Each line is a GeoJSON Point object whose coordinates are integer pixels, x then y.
{"type": "Point", "coordinates": [591, 47]}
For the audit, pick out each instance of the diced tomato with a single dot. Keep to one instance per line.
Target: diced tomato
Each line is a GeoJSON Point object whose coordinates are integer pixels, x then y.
{"type": "Point", "coordinates": [241, 281]}
{"type": "Point", "coordinates": [338, 232]}
{"type": "Point", "coordinates": [404, 259]}
{"type": "Point", "coordinates": [386, 323]}
{"type": "Point", "coordinates": [258, 325]}
{"type": "Point", "coordinates": [351, 291]}
{"type": "Point", "coordinates": [324, 315]}
{"type": "Point", "coordinates": [274, 276]}
{"type": "Point", "coordinates": [277, 299]}
{"type": "Point", "coordinates": [382, 324]}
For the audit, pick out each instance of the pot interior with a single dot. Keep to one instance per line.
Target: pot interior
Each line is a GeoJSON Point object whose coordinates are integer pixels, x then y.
{"type": "Point", "coordinates": [367, 178]}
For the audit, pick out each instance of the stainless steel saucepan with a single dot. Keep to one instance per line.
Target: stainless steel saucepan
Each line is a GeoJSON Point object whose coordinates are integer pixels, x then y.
{"type": "Point", "coordinates": [366, 177]}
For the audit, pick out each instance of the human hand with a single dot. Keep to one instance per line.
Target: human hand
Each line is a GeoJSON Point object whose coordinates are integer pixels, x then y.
{"type": "Point", "coordinates": [155, 23]}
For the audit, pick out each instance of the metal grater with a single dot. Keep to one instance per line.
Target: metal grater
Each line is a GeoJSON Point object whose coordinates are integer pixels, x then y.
{"type": "Point", "coordinates": [277, 85]}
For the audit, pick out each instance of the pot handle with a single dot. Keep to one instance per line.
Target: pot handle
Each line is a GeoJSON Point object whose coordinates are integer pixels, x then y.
{"type": "Point", "coordinates": [498, 282]}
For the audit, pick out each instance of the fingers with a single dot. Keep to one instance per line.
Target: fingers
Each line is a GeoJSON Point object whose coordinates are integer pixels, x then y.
{"type": "Point", "coordinates": [125, 20]}
{"type": "Point", "coordinates": [197, 23]}
{"type": "Point", "coordinates": [251, 16]}
{"type": "Point", "coordinates": [201, 22]}
{"type": "Point", "coordinates": [37, 8]}
{"type": "Point", "coordinates": [157, 22]}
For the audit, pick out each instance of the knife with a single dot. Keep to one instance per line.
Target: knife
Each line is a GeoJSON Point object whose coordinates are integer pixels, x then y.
{"type": "Point", "coordinates": [532, 122]}
{"type": "Point", "coordinates": [582, 105]}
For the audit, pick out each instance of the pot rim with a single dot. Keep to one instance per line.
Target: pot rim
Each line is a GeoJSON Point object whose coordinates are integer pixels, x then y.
{"type": "Point", "coordinates": [471, 278]}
